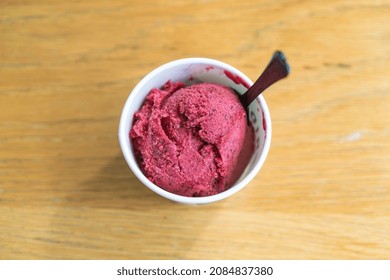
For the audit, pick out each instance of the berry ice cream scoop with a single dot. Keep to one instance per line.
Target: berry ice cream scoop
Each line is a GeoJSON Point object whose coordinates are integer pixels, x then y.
{"type": "Point", "coordinates": [192, 140]}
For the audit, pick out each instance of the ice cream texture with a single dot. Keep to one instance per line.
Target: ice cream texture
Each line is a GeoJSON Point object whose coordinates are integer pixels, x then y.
{"type": "Point", "coordinates": [192, 140]}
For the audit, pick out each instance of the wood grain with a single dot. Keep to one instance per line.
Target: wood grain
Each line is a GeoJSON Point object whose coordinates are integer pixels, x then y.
{"type": "Point", "coordinates": [67, 67]}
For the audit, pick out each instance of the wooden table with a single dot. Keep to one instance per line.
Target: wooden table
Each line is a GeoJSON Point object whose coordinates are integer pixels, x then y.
{"type": "Point", "coordinates": [67, 67]}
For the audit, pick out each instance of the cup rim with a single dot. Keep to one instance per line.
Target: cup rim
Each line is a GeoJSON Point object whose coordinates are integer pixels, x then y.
{"type": "Point", "coordinates": [123, 133]}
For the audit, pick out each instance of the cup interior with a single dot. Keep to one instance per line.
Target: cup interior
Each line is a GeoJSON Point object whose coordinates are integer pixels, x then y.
{"type": "Point", "coordinates": [195, 70]}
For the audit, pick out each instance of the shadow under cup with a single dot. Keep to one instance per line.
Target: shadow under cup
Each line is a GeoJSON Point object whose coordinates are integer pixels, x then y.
{"type": "Point", "coordinates": [196, 70]}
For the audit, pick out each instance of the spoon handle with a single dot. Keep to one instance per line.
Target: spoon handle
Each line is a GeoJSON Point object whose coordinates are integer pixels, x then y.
{"type": "Point", "coordinates": [277, 69]}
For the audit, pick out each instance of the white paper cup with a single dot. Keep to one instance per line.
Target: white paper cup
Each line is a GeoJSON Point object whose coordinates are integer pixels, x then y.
{"type": "Point", "coordinates": [197, 70]}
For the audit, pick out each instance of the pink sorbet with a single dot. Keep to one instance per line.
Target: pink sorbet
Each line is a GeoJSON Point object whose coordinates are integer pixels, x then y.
{"type": "Point", "coordinates": [192, 140]}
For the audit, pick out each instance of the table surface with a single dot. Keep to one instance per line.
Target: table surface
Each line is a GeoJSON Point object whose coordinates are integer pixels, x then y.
{"type": "Point", "coordinates": [67, 67]}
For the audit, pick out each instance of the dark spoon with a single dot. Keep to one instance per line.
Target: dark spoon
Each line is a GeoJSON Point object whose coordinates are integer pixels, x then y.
{"type": "Point", "coordinates": [277, 69]}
